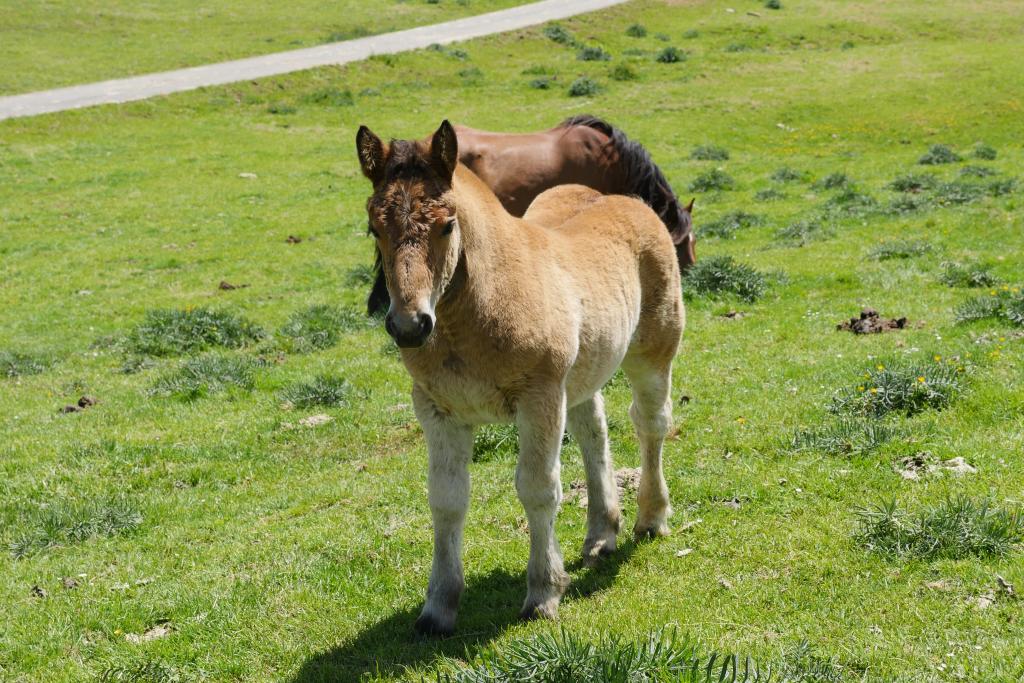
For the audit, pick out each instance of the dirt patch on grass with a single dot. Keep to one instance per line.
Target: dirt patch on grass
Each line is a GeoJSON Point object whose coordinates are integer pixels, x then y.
{"type": "Point", "coordinates": [82, 403]}
{"type": "Point", "coordinates": [870, 322]}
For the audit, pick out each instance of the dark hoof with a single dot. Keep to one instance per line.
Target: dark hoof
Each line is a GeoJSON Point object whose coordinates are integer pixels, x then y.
{"type": "Point", "coordinates": [429, 626]}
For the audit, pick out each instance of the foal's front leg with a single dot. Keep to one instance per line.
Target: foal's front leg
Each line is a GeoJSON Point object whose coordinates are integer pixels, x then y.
{"type": "Point", "coordinates": [541, 421]}
{"type": "Point", "coordinates": [450, 448]}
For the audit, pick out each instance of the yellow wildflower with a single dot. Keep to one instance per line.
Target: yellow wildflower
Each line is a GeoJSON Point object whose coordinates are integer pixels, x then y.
{"type": "Point", "coordinates": [920, 380]}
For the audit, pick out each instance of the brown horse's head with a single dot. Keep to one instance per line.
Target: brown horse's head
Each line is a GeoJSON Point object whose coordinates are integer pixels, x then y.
{"type": "Point", "coordinates": [412, 216]}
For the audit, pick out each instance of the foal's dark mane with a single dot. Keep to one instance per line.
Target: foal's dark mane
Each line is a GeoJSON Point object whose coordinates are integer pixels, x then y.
{"type": "Point", "coordinates": [641, 177]}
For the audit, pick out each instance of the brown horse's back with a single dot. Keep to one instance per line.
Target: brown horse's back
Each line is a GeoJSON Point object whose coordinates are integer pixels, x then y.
{"type": "Point", "coordinates": [517, 167]}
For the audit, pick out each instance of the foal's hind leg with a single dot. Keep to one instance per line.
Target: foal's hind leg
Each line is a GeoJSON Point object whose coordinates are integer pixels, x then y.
{"type": "Point", "coordinates": [652, 416]}
{"type": "Point", "coordinates": [588, 426]}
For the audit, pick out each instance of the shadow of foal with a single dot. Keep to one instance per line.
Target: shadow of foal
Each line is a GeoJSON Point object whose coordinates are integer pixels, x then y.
{"type": "Point", "coordinates": [490, 606]}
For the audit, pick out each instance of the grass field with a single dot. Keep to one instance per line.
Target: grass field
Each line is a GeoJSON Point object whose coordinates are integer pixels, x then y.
{"type": "Point", "coordinates": [57, 43]}
{"type": "Point", "coordinates": [193, 524]}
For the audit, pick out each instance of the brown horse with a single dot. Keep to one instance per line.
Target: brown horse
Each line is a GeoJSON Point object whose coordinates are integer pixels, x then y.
{"type": "Point", "coordinates": [584, 150]}
{"type": "Point", "coordinates": [502, 319]}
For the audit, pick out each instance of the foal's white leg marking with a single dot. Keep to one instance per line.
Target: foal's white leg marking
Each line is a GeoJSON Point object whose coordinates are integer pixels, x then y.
{"type": "Point", "coordinates": [652, 416]}
{"type": "Point", "coordinates": [588, 426]}
{"type": "Point", "coordinates": [541, 422]}
{"type": "Point", "coordinates": [450, 448]}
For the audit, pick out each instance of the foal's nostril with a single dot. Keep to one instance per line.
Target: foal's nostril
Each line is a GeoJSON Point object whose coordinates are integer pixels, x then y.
{"type": "Point", "coordinates": [426, 325]}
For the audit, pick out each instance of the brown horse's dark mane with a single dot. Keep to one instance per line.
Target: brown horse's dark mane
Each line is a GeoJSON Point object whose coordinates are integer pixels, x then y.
{"type": "Point", "coordinates": [641, 177]}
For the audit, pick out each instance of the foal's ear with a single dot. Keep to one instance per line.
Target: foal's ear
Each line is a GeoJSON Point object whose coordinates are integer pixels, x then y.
{"type": "Point", "coordinates": [444, 150]}
{"type": "Point", "coordinates": [689, 207]}
{"type": "Point", "coordinates": [372, 155]}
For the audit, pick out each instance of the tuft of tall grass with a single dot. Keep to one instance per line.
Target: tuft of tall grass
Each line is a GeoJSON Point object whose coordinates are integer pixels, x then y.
{"type": "Point", "coordinates": [983, 151]}
{"type": "Point", "coordinates": [636, 31]}
{"type": "Point", "coordinates": [729, 224]}
{"type": "Point", "coordinates": [939, 154]}
{"type": "Point", "coordinates": [902, 386]}
{"type": "Point", "coordinates": [833, 181]}
{"type": "Point", "coordinates": [360, 275]}
{"type": "Point", "coordinates": [709, 153]}
{"type": "Point", "coordinates": [568, 658]}
{"type": "Point", "coordinates": [967, 275]}
{"type": "Point", "coordinates": [204, 375]}
{"type": "Point", "coordinates": [850, 202]}
{"type": "Point", "coordinates": [769, 194]}
{"type": "Point", "coordinates": [169, 332]}
{"type": "Point", "coordinates": [899, 249]}
{"type": "Point", "coordinates": [803, 232]}
{"type": "Point", "coordinates": [583, 87]}
{"type": "Point", "coordinates": [715, 179]}
{"type": "Point", "coordinates": [973, 171]}
{"type": "Point", "coordinates": [846, 437]}
{"type": "Point", "coordinates": [15, 364]}
{"type": "Point", "coordinates": [1005, 304]}
{"type": "Point", "coordinates": [722, 276]}
{"type": "Point", "coordinates": [913, 182]}
{"type": "Point", "coordinates": [788, 175]}
{"type": "Point", "coordinates": [330, 97]}
{"type": "Point", "coordinates": [957, 192]}
{"type": "Point", "coordinates": [63, 523]}
{"type": "Point", "coordinates": [622, 72]}
{"type": "Point", "coordinates": [909, 203]}
{"type": "Point", "coordinates": [316, 328]}
{"type": "Point", "coordinates": [670, 55]}
{"type": "Point", "coordinates": [560, 35]}
{"type": "Point", "coordinates": [957, 528]}
{"type": "Point", "coordinates": [593, 53]}
{"type": "Point", "coordinates": [323, 390]}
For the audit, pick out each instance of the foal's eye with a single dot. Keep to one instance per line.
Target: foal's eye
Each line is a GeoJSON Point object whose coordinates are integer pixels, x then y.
{"type": "Point", "coordinates": [448, 227]}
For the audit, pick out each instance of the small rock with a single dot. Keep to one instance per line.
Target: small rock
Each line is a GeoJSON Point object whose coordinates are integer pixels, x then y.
{"type": "Point", "coordinates": [152, 633]}
{"type": "Point", "coordinates": [315, 420]}
{"type": "Point", "coordinates": [684, 552]}
{"type": "Point", "coordinates": [250, 176]}
{"type": "Point", "coordinates": [39, 592]}
{"type": "Point", "coordinates": [939, 585]}
{"type": "Point", "coordinates": [725, 583]}
{"type": "Point", "coordinates": [733, 503]}
{"type": "Point", "coordinates": [984, 601]}
{"type": "Point", "coordinates": [734, 315]}
{"type": "Point", "coordinates": [69, 583]}
{"type": "Point", "coordinates": [958, 466]}
{"type": "Point", "coordinates": [915, 466]}
{"type": "Point", "coordinates": [1005, 586]}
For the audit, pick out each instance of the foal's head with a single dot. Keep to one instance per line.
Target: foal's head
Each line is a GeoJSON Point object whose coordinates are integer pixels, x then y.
{"type": "Point", "coordinates": [412, 217]}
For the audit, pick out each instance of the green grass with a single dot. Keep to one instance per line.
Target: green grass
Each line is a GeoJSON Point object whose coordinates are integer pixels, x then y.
{"type": "Point", "coordinates": [903, 386]}
{"type": "Point", "coordinates": [15, 364]}
{"type": "Point", "coordinates": [718, 276]}
{"type": "Point", "coordinates": [167, 332]}
{"type": "Point", "coordinates": [954, 529]}
{"type": "Point", "coordinates": [281, 551]}
{"type": "Point", "coordinates": [317, 327]}
{"type": "Point", "coordinates": [119, 38]}
{"type": "Point", "coordinates": [204, 375]}
{"type": "Point", "coordinates": [323, 390]}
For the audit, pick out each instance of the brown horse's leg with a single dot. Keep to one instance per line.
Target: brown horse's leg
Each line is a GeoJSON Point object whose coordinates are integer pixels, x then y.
{"type": "Point", "coordinates": [541, 422]}
{"type": "Point", "coordinates": [652, 416]}
{"type": "Point", "coordinates": [379, 299]}
{"type": "Point", "coordinates": [588, 426]}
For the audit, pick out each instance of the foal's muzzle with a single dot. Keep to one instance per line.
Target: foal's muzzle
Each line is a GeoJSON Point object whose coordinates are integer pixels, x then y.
{"type": "Point", "coordinates": [409, 332]}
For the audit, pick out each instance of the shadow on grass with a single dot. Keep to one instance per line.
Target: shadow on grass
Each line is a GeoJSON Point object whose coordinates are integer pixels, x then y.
{"type": "Point", "coordinates": [490, 605]}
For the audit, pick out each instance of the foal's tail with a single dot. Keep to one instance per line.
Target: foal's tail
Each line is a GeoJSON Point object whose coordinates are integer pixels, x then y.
{"type": "Point", "coordinates": [642, 178]}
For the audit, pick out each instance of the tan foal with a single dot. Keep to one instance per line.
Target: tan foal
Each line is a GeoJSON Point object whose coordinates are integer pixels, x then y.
{"type": "Point", "coordinates": [502, 319]}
